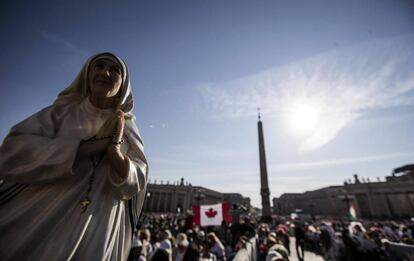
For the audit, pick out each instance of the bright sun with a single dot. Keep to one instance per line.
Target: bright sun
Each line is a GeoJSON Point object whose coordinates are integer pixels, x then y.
{"type": "Point", "coordinates": [303, 117]}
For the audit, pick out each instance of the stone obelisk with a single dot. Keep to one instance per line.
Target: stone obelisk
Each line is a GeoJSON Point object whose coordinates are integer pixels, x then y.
{"type": "Point", "coordinates": [264, 188]}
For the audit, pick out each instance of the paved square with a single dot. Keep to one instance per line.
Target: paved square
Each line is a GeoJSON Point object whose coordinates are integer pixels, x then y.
{"type": "Point", "coordinates": [309, 256]}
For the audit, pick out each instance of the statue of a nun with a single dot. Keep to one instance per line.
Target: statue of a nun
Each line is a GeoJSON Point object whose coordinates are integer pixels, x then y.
{"type": "Point", "coordinates": [74, 174]}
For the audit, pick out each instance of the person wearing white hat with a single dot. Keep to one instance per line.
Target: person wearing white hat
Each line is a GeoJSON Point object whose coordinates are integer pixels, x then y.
{"type": "Point", "coordinates": [166, 245]}
{"type": "Point", "coordinates": [136, 251]}
{"type": "Point", "coordinates": [276, 251]}
{"type": "Point", "coordinates": [216, 247]}
{"type": "Point", "coordinates": [165, 242]}
{"type": "Point", "coordinates": [185, 251]}
{"type": "Point", "coordinates": [145, 237]}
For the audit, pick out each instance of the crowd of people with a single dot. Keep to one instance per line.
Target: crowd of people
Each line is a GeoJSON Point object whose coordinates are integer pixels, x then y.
{"type": "Point", "coordinates": [169, 237]}
{"type": "Point", "coordinates": [360, 240]}
{"type": "Point", "coordinates": [339, 239]}
{"type": "Point", "coordinates": [174, 238]}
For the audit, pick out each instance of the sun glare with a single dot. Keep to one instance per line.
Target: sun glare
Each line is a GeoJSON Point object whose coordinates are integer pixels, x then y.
{"type": "Point", "coordinates": [303, 117]}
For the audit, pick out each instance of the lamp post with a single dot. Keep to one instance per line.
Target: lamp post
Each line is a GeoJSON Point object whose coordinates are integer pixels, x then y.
{"type": "Point", "coordinates": [347, 199]}
{"type": "Point", "coordinates": [312, 212]}
{"type": "Point", "coordinates": [199, 196]}
{"type": "Point", "coordinates": [147, 202]}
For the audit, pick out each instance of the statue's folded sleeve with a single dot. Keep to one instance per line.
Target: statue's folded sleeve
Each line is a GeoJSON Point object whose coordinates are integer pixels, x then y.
{"type": "Point", "coordinates": [136, 178]}
{"type": "Point", "coordinates": [33, 153]}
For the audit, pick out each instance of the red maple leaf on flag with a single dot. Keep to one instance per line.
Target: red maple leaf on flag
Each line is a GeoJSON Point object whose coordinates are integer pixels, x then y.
{"type": "Point", "coordinates": [211, 213]}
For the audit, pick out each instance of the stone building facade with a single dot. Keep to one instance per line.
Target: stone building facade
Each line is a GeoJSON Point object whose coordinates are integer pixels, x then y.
{"type": "Point", "coordinates": [237, 200]}
{"type": "Point", "coordinates": [179, 197]}
{"type": "Point", "coordinates": [325, 202]}
{"type": "Point", "coordinates": [392, 198]}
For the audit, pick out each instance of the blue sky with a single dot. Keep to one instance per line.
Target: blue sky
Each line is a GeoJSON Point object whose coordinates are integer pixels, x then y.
{"type": "Point", "coordinates": [334, 80]}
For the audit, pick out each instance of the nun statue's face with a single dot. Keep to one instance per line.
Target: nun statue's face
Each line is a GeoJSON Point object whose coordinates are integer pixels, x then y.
{"type": "Point", "coordinates": [104, 77]}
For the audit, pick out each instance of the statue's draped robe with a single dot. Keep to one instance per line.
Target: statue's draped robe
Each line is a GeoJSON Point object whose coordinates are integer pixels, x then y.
{"type": "Point", "coordinates": [44, 221]}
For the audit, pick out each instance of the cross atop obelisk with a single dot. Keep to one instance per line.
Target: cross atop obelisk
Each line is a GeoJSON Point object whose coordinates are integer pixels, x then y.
{"type": "Point", "coordinates": [264, 184]}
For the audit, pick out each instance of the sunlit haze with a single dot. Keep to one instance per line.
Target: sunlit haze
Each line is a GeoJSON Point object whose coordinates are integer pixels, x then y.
{"type": "Point", "coordinates": [303, 116]}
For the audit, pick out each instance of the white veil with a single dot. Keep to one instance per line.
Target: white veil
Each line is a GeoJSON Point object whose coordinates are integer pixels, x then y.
{"type": "Point", "coordinates": [78, 90]}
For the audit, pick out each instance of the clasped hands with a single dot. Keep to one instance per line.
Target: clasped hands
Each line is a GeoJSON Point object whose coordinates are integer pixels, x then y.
{"type": "Point", "coordinates": [108, 141]}
{"type": "Point", "coordinates": [113, 129]}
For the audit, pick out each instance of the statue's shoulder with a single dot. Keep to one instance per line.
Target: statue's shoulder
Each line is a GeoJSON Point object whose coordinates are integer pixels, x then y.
{"type": "Point", "coordinates": [61, 110]}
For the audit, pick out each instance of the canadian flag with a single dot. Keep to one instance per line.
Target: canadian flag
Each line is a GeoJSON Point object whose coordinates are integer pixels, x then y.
{"type": "Point", "coordinates": [211, 215]}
